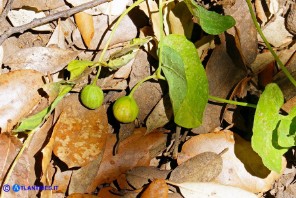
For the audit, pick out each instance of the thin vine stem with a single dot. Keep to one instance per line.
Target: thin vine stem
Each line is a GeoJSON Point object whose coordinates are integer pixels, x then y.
{"type": "Point", "coordinates": [99, 63]}
{"type": "Point", "coordinates": [161, 34]}
{"type": "Point", "coordinates": [279, 62]}
{"type": "Point", "coordinates": [141, 82]}
{"type": "Point", "coordinates": [244, 104]}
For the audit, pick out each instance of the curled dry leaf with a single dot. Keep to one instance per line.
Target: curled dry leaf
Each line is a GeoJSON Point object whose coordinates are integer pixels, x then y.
{"type": "Point", "coordinates": [42, 59]}
{"type": "Point", "coordinates": [203, 167]}
{"type": "Point", "coordinates": [81, 133]}
{"type": "Point", "coordinates": [85, 25]}
{"type": "Point", "coordinates": [156, 189]}
{"type": "Point", "coordinates": [242, 167]}
{"type": "Point", "coordinates": [18, 96]}
{"type": "Point", "coordinates": [136, 150]}
{"type": "Point", "coordinates": [205, 190]}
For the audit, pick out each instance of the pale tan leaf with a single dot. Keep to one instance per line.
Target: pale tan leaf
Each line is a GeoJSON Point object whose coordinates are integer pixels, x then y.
{"type": "Point", "coordinates": [42, 59]}
{"type": "Point", "coordinates": [281, 37]}
{"type": "Point", "coordinates": [242, 167]}
{"type": "Point", "coordinates": [23, 16]}
{"type": "Point", "coordinates": [39, 4]}
{"type": "Point", "coordinates": [57, 38]}
{"type": "Point", "coordinates": [81, 133]}
{"type": "Point", "coordinates": [18, 96]}
{"type": "Point", "coordinates": [205, 190]}
{"type": "Point", "coordinates": [136, 150]}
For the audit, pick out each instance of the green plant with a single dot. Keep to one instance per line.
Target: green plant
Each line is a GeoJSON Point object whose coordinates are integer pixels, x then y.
{"type": "Point", "coordinates": [180, 66]}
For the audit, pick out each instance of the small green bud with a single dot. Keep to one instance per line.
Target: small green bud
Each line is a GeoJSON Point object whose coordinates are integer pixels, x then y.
{"type": "Point", "coordinates": [92, 96]}
{"type": "Point", "coordinates": [125, 109]}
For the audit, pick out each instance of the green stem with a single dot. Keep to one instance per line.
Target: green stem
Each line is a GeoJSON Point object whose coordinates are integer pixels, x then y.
{"type": "Point", "coordinates": [160, 46]}
{"type": "Point", "coordinates": [279, 62]}
{"type": "Point", "coordinates": [141, 82]}
{"type": "Point", "coordinates": [244, 104]}
{"type": "Point", "coordinates": [97, 76]}
{"type": "Point", "coordinates": [99, 63]}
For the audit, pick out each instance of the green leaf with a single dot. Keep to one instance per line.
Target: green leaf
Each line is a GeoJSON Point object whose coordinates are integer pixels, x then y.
{"type": "Point", "coordinates": [34, 121]}
{"type": "Point", "coordinates": [76, 67]}
{"type": "Point", "coordinates": [127, 53]}
{"type": "Point", "coordinates": [287, 128]}
{"type": "Point", "coordinates": [188, 84]}
{"type": "Point", "coordinates": [266, 122]}
{"type": "Point", "coordinates": [211, 22]}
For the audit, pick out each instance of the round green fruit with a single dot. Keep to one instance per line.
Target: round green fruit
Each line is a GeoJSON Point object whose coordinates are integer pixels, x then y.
{"type": "Point", "coordinates": [125, 109]}
{"type": "Point", "coordinates": [92, 96]}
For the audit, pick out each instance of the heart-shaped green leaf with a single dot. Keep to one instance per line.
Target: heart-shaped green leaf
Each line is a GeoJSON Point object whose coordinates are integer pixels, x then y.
{"type": "Point", "coordinates": [211, 22]}
{"type": "Point", "coordinates": [266, 122]}
{"type": "Point", "coordinates": [188, 84]}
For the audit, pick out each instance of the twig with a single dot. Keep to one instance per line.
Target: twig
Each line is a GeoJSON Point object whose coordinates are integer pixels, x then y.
{"type": "Point", "coordinates": [6, 9]}
{"type": "Point", "coordinates": [177, 142]}
{"type": "Point", "coordinates": [44, 20]}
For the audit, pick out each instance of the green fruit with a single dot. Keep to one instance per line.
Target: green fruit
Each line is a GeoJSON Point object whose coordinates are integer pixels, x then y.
{"type": "Point", "coordinates": [125, 109]}
{"type": "Point", "coordinates": [92, 96]}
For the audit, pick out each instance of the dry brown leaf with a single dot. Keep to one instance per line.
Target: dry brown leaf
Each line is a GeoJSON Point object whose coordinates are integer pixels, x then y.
{"type": "Point", "coordinates": [223, 72]}
{"type": "Point", "coordinates": [246, 41]}
{"type": "Point", "coordinates": [276, 32]}
{"type": "Point", "coordinates": [205, 190]}
{"type": "Point", "coordinates": [203, 167]}
{"type": "Point", "coordinates": [156, 189]}
{"type": "Point", "coordinates": [139, 176]}
{"type": "Point", "coordinates": [136, 150]}
{"type": "Point", "coordinates": [61, 179]}
{"type": "Point", "coordinates": [81, 133]}
{"type": "Point", "coordinates": [9, 148]}
{"type": "Point", "coordinates": [88, 173]}
{"type": "Point", "coordinates": [20, 176]}
{"type": "Point", "coordinates": [107, 192]}
{"type": "Point", "coordinates": [85, 25]}
{"type": "Point", "coordinates": [161, 114]}
{"type": "Point", "coordinates": [180, 20]}
{"type": "Point", "coordinates": [151, 10]}
{"type": "Point", "coordinates": [18, 96]}
{"type": "Point", "coordinates": [242, 167]}
{"type": "Point", "coordinates": [78, 195]}
{"type": "Point", "coordinates": [149, 93]}
{"type": "Point", "coordinates": [42, 59]}
{"type": "Point", "coordinates": [126, 31]}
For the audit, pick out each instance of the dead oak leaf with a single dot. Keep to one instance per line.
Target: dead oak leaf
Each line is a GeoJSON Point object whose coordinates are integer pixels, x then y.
{"type": "Point", "coordinates": [80, 133]}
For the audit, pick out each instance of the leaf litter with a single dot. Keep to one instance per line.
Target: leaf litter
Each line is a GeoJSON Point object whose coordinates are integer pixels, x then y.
{"type": "Point", "coordinates": [85, 152]}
